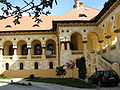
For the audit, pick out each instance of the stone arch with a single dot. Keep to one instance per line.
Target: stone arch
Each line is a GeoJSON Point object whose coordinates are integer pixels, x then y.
{"type": "Point", "coordinates": [20, 45]}
{"type": "Point", "coordinates": [117, 20]}
{"type": "Point", "coordinates": [76, 41]}
{"type": "Point", "coordinates": [36, 47]}
{"type": "Point", "coordinates": [102, 34]}
{"type": "Point", "coordinates": [109, 28]}
{"type": "Point", "coordinates": [6, 48]}
{"type": "Point", "coordinates": [51, 46]}
{"type": "Point", "coordinates": [92, 43]}
{"type": "Point", "coordinates": [102, 37]}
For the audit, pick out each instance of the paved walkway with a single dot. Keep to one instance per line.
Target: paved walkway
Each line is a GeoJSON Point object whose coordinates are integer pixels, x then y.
{"type": "Point", "coordinates": [45, 86]}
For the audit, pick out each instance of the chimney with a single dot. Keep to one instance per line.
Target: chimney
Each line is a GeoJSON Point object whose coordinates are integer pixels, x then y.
{"type": "Point", "coordinates": [78, 4]}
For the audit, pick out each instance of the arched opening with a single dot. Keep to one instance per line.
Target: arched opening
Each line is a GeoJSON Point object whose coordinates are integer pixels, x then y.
{"type": "Point", "coordinates": [109, 28]}
{"type": "Point", "coordinates": [92, 43]}
{"type": "Point", "coordinates": [51, 65]}
{"type": "Point", "coordinates": [102, 37]}
{"type": "Point", "coordinates": [118, 21]}
{"type": "Point", "coordinates": [51, 46]}
{"type": "Point", "coordinates": [102, 34]}
{"type": "Point", "coordinates": [22, 48]}
{"type": "Point", "coordinates": [7, 66]}
{"type": "Point", "coordinates": [21, 66]}
{"type": "Point", "coordinates": [36, 47]}
{"type": "Point", "coordinates": [11, 50]}
{"type": "Point", "coordinates": [8, 48]}
{"type": "Point", "coordinates": [76, 41]}
{"type": "Point", "coordinates": [36, 65]}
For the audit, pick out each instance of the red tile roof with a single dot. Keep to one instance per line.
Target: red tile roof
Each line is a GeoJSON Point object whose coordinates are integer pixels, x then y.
{"type": "Point", "coordinates": [27, 22]}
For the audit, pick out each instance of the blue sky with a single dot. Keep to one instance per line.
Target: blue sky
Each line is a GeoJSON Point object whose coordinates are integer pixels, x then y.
{"type": "Point", "coordinates": [65, 6]}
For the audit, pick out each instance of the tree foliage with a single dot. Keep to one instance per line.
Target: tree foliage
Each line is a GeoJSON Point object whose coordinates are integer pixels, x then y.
{"type": "Point", "coordinates": [81, 67]}
{"type": "Point", "coordinates": [60, 71]}
{"type": "Point", "coordinates": [30, 7]}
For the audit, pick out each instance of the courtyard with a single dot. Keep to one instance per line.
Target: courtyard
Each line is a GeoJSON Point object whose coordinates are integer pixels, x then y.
{"type": "Point", "coordinates": [47, 86]}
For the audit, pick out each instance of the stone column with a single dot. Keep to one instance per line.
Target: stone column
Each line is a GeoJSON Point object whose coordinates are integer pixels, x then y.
{"type": "Point", "coordinates": [62, 46]}
{"type": "Point", "coordinates": [117, 31]}
{"type": "Point", "coordinates": [100, 43]}
{"type": "Point", "coordinates": [15, 52]}
{"type": "Point", "coordinates": [43, 52]}
{"type": "Point", "coordinates": [85, 48]}
{"type": "Point", "coordinates": [29, 53]}
{"type": "Point", "coordinates": [68, 45]}
{"type": "Point", "coordinates": [108, 42]}
{"type": "Point", "coordinates": [1, 53]}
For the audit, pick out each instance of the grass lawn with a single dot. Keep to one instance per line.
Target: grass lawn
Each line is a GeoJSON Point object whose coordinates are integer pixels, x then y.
{"type": "Point", "coordinates": [4, 82]}
{"type": "Point", "coordinates": [64, 81]}
{"type": "Point", "coordinates": [6, 78]}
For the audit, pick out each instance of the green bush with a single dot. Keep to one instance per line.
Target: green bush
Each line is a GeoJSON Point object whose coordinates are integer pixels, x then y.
{"type": "Point", "coordinates": [31, 76]}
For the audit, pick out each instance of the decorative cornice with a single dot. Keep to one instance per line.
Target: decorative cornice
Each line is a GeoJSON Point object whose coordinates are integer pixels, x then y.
{"type": "Point", "coordinates": [25, 33]}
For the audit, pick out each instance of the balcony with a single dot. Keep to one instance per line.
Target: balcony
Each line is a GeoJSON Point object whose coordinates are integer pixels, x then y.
{"type": "Point", "coordinates": [36, 56]}
{"type": "Point", "coordinates": [7, 57]}
{"type": "Point", "coordinates": [22, 56]}
{"type": "Point", "coordinates": [77, 52]}
{"type": "Point", "coordinates": [50, 56]}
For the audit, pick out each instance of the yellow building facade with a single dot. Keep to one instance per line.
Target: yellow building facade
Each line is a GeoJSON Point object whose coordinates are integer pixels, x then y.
{"type": "Point", "coordinates": [30, 48]}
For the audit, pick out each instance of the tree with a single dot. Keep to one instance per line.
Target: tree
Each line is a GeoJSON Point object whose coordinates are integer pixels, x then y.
{"type": "Point", "coordinates": [30, 7]}
{"type": "Point", "coordinates": [81, 67]}
{"type": "Point", "coordinates": [60, 71]}
{"type": "Point", "coordinates": [71, 65]}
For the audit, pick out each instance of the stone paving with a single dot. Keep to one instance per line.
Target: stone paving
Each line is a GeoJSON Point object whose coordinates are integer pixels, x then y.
{"type": "Point", "coordinates": [46, 86]}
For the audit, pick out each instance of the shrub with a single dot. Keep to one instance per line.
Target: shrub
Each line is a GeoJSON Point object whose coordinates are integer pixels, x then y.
{"type": "Point", "coordinates": [30, 84]}
{"type": "Point", "coordinates": [31, 76]}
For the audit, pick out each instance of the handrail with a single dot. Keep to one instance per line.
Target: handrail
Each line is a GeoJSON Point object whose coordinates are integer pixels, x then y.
{"type": "Point", "coordinates": [107, 60]}
{"type": "Point", "coordinates": [105, 63]}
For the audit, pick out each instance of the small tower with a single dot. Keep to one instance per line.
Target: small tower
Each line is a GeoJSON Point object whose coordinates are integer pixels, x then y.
{"type": "Point", "coordinates": [78, 4]}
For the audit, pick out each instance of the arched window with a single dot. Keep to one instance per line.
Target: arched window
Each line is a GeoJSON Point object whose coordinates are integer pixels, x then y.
{"type": "Point", "coordinates": [11, 50]}
{"type": "Point", "coordinates": [51, 65]}
{"type": "Point", "coordinates": [24, 49]}
{"type": "Point", "coordinates": [51, 47]}
{"type": "Point", "coordinates": [36, 65]}
{"type": "Point", "coordinates": [21, 66]}
{"type": "Point", "coordinates": [37, 49]}
{"type": "Point", "coordinates": [7, 66]}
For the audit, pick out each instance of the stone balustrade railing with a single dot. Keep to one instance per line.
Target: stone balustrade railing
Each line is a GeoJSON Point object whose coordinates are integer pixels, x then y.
{"type": "Point", "coordinates": [77, 52]}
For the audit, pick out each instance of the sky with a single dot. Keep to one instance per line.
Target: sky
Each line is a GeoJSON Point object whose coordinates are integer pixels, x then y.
{"type": "Point", "coordinates": [65, 6]}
